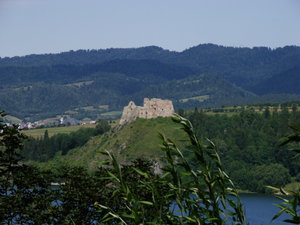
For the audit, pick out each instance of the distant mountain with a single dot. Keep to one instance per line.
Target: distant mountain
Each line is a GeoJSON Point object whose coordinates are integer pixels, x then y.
{"type": "Point", "coordinates": [63, 73]}
{"type": "Point", "coordinates": [198, 90]}
{"type": "Point", "coordinates": [82, 57]}
{"type": "Point", "coordinates": [242, 66]}
{"type": "Point", "coordinates": [39, 86]}
{"type": "Point", "coordinates": [144, 68]}
{"type": "Point", "coordinates": [287, 82]}
{"type": "Point", "coordinates": [41, 100]}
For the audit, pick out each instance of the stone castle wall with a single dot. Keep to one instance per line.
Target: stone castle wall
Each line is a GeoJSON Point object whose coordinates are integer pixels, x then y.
{"type": "Point", "coordinates": [152, 108]}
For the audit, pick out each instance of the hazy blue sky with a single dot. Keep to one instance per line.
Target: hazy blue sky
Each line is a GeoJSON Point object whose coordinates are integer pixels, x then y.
{"type": "Point", "coordinates": [50, 26]}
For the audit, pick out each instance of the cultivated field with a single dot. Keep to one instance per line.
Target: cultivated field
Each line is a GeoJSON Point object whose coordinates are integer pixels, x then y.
{"type": "Point", "coordinates": [55, 130]}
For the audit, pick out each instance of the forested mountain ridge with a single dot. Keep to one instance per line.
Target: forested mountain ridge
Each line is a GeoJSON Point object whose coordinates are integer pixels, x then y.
{"type": "Point", "coordinates": [81, 57]}
{"type": "Point", "coordinates": [42, 100]}
{"type": "Point", "coordinates": [242, 66]}
{"type": "Point", "coordinates": [39, 86]}
{"type": "Point", "coordinates": [284, 82]}
{"type": "Point", "coordinates": [65, 73]}
{"type": "Point", "coordinates": [234, 64]}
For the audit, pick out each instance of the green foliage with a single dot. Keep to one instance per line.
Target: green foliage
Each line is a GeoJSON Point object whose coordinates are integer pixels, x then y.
{"type": "Point", "coordinates": [77, 195]}
{"type": "Point", "coordinates": [272, 174]}
{"type": "Point", "coordinates": [203, 199]}
{"type": "Point", "coordinates": [102, 127]}
{"type": "Point", "coordinates": [10, 144]}
{"type": "Point", "coordinates": [248, 144]}
{"type": "Point", "coordinates": [290, 199]}
{"type": "Point", "coordinates": [25, 195]}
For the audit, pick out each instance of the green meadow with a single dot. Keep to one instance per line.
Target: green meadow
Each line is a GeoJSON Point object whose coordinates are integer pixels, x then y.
{"type": "Point", "coordinates": [36, 133]}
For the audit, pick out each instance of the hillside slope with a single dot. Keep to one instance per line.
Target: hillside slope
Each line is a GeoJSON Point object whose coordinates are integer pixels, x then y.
{"type": "Point", "coordinates": [138, 139]}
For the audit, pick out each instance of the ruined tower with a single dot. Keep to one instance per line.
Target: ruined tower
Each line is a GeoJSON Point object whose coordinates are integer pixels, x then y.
{"type": "Point", "coordinates": [152, 108]}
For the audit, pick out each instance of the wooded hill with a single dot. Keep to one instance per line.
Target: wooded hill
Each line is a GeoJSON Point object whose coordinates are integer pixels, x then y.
{"type": "Point", "coordinates": [89, 82]}
{"type": "Point", "coordinates": [247, 141]}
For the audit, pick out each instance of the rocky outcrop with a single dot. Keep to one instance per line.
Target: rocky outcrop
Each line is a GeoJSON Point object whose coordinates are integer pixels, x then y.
{"type": "Point", "coordinates": [152, 108]}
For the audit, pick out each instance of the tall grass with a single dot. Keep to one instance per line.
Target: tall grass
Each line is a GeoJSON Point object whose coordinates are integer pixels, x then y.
{"type": "Point", "coordinates": [205, 195]}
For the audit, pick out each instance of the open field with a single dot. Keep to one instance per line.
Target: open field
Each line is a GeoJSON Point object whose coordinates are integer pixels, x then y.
{"type": "Point", "coordinates": [201, 98]}
{"type": "Point", "coordinates": [55, 130]}
{"type": "Point", "coordinates": [12, 119]}
{"type": "Point", "coordinates": [79, 84]}
{"type": "Point", "coordinates": [111, 114]}
{"type": "Point", "coordinates": [229, 110]}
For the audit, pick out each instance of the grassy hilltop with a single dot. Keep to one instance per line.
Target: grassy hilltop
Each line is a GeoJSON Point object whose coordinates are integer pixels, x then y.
{"type": "Point", "coordinates": [138, 139]}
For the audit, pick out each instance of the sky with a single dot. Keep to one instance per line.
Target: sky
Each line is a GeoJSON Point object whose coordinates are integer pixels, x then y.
{"type": "Point", "coordinates": [53, 26]}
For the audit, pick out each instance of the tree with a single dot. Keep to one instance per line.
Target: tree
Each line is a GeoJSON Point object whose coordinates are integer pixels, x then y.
{"type": "Point", "coordinates": [10, 143]}
{"type": "Point", "coordinates": [180, 112]}
{"type": "Point", "coordinates": [290, 199]}
{"type": "Point", "coordinates": [267, 113]}
{"type": "Point", "coordinates": [273, 174]}
{"type": "Point", "coordinates": [46, 135]}
{"type": "Point", "coordinates": [102, 126]}
{"type": "Point", "coordinates": [25, 195]}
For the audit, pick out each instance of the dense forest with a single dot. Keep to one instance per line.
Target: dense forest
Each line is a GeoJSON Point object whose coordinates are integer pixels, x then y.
{"type": "Point", "coordinates": [40, 86]}
{"type": "Point", "coordinates": [248, 143]}
{"type": "Point", "coordinates": [238, 64]}
{"type": "Point", "coordinates": [284, 82]}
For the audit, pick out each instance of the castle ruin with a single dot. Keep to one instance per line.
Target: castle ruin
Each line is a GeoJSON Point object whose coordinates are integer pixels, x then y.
{"type": "Point", "coordinates": [152, 108]}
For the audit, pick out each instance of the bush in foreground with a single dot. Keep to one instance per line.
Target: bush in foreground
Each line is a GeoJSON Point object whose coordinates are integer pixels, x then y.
{"type": "Point", "coordinates": [202, 196]}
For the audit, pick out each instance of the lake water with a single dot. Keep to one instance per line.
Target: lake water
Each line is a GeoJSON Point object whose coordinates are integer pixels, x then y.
{"type": "Point", "coordinates": [260, 209]}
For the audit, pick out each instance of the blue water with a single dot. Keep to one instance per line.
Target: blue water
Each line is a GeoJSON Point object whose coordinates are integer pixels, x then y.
{"type": "Point", "coordinates": [260, 209]}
